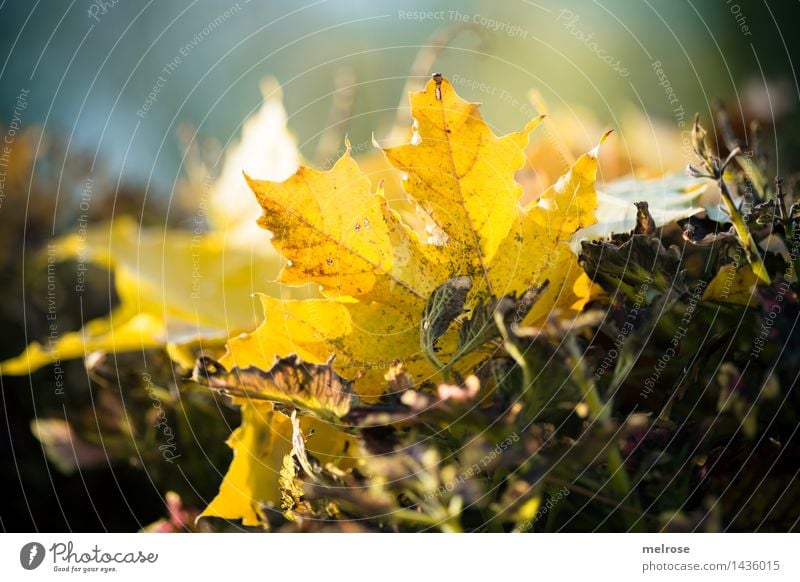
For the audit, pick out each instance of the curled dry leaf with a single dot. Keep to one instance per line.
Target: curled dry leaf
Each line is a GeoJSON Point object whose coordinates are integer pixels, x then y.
{"type": "Point", "coordinates": [314, 388]}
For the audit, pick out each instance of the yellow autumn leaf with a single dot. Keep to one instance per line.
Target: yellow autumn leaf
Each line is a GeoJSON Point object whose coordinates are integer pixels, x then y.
{"type": "Point", "coordinates": [259, 447]}
{"type": "Point", "coordinates": [174, 287]}
{"type": "Point", "coordinates": [179, 285]}
{"type": "Point", "coordinates": [382, 174]}
{"type": "Point", "coordinates": [365, 337]}
{"type": "Point", "coordinates": [462, 175]}
{"type": "Point", "coordinates": [348, 241]}
{"type": "Point", "coordinates": [339, 234]}
{"type": "Point", "coordinates": [733, 285]}
{"type": "Point", "coordinates": [376, 272]}
{"type": "Point", "coordinates": [266, 149]}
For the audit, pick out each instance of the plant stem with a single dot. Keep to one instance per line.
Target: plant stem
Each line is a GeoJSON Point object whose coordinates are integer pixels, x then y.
{"type": "Point", "coordinates": [749, 244]}
{"type": "Point", "coordinates": [618, 477]}
{"type": "Point", "coordinates": [445, 522]}
{"type": "Point", "coordinates": [753, 174]}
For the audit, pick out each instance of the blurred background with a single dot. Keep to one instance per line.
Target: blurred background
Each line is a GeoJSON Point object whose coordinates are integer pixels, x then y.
{"type": "Point", "coordinates": [115, 98]}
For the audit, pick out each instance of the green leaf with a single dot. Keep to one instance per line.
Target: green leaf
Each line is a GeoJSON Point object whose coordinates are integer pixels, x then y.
{"type": "Point", "coordinates": [444, 305]}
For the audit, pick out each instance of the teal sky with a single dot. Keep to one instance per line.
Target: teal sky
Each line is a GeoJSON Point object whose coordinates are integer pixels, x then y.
{"type": "Point", "coordinates": [90, 69]}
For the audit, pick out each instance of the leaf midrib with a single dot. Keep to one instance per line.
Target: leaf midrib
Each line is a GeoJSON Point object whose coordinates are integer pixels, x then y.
{"type": "Point", "coordinates": [451, 159]}
{"type": "Point", "coordinates": [341, 244]}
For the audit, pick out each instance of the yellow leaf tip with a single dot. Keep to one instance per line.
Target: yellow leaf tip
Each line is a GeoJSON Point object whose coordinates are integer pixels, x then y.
{"type": "Point", "coordinates": [250, 181]}
{"type": "Point", "coordinates": [533, 123]}
{"type": "Point", "coordinates": [596, 149]}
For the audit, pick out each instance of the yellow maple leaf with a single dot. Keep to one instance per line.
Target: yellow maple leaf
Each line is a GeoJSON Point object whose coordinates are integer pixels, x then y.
{"type": "Point", "coordinates": [377, 273]}
{"type": "Point", "coordinates": [339, 234]}
{"type": "Point", "coordinates": [462, 175]}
